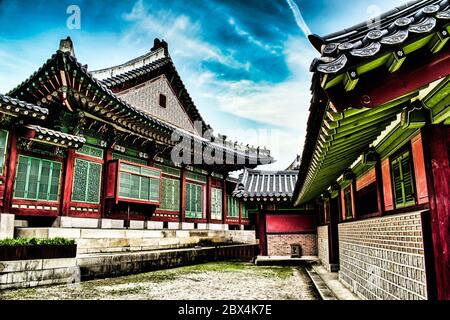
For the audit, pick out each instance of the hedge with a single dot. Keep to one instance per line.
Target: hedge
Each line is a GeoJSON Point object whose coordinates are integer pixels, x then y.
{"type": "Point", "coordinates": [34, 241]}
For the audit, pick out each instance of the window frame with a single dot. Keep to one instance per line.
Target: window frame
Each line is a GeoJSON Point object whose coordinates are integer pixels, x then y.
{"type": "Point", "coordinates": [203, 191]}
{"type": "Point", "coordinates": [219, 205]}
{"type": "Point", "coordinates": [118, 171]}
{"type": "Point", "coordinates": [176, 183]}
{"type": "Point", "coordinates": [37, 199]}
{"type": "Point", "coordinates": [90, 162]}
{"type": "Point", "coordinates": [348, 191]}
{"type": "Point", "coordinates": [232, 203]}
{"type": "Point", "coordinates": [398, 157]}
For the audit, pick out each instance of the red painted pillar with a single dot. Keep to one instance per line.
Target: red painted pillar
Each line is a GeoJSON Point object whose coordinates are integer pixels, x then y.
{"type": "Point", "coordinates": [379, 182]}
{"type": "Point", "coordinates": [208, 199]}
{"type": "Point", "coordinates": [437, 145]}
{"type": "Point", "coordinates": [108, 157]}
{"type": "Point", "coordinates": [183, 195]}
{"type": "Point", "coordinates": [68, 182]}
{"type": "Point", "coordinates": [261, 231]}
{"type": "Point", "coordinates": [10, 172]}
{"type": "Point", "coordinates": [224, 201]}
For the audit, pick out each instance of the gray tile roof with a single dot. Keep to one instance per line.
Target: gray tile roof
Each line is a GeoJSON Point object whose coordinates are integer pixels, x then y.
{"type": "Point", "coordinates": [266, 185]}
{"type": "Point", "coordinates": [398, 26]}
{"type": "Point", "coordinates": [18, 107]}
{"type": "Point", "coordinates": [57, 137]}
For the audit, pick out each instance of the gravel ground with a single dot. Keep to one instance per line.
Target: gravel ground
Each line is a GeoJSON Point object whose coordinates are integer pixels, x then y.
{"type": "Point", "coordinates": [211, 281]}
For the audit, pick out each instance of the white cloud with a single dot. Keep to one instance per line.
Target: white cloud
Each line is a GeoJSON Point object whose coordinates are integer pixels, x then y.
{"type": "Point", "coordinates": [298, 17]}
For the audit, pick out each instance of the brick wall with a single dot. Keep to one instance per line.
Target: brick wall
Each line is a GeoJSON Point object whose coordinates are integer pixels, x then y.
{"type": "Point", "coordinates": [383, 258]}
{"type": "Point", "coordinates": [146, 98]}
{"type": "Point", "coordinates": [280, 245]}
{"type": "Point", "coordinates": [322, 246]}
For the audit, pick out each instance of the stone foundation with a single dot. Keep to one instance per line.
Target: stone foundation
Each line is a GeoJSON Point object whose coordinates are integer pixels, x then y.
{"type": "Point", "coordinates": [120, 240]}
{"type": "Point", "coordinates": [322, 246]}
{"type": "Point", "coordinates": [280, 245]}
{"type": "Point", "coordinates": [383, 258]}
{"type": "Point", "coordinates": [32, 273]}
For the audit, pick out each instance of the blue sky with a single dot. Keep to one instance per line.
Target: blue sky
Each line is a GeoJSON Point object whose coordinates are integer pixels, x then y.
{"type": "Point", "coordinates": [245, 63]}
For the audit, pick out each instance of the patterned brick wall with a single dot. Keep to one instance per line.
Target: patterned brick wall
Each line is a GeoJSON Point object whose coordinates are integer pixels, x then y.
{"type": "Point", "coordinates": [146, 97]}
{"type": "Point", "coordinates": [280, 245]}
{"type": "Point", "coordinates": [322, 246]}
{"type": "Point", "coordinates": [383, 258]}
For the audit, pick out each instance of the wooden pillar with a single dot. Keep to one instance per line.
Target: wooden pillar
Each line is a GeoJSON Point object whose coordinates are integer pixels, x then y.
{"type": "Point", "coordinates": [224, 201]}
{"type": "Point", "coordinates": [10, 172]}
{"type": "Point", "coordinates": [183, 195]}
{"type": "Point", "coordinates": [333, 236]}
{"type": "Point", "coordinates": [261, 231]}
{"type": "Point", "coordinates": [379, 182]}
{"type": "Point", "coordinates": [69, 167]}
{"type": "Point", "coordinates": [437, 145]}
{"type": "Point", "coordinates": [108, 157]}
{"type": "Point", "coordinates": [208, 198]}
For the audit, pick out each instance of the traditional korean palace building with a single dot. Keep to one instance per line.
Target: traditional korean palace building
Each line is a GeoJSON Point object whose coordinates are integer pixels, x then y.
{"type": "Point", "coordinates": [78, 148]}
{"type": "Point", "coordinates": [279, 226]}
{"type": "Point", "coordinates": [376, 156]}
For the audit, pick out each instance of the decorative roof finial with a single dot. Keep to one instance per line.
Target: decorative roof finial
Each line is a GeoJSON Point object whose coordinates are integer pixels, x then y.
{"type": "Point", "coordinates": [157, 44]}
{"type": "Point", "coordinates": [66, 45]}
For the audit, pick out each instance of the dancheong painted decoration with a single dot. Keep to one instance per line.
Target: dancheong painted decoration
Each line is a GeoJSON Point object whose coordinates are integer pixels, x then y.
{"type": "Point", "coordinates": [376, 157]}
{"type": "Point", "coordinates": [82, 144]}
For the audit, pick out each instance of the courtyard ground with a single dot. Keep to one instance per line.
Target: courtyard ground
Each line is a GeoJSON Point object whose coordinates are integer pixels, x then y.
{"type": "Point", "coordinates": [212, 281]}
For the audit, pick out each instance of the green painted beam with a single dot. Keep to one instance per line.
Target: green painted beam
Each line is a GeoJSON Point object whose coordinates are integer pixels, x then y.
{"type": "Point", "coordinates": [396, 60]}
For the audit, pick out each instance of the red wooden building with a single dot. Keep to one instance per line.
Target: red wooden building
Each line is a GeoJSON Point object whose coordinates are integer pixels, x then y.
{"type": "Point", "coordinates": [279, 226]}
{"type": "Point", "coordinates": [102, 149]}
{"type": "Point", "coordinates": [376, 156]}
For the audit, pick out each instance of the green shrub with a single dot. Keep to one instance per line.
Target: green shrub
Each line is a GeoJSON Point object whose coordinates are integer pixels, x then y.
{"type": "Point", "coordinates": [35, 241]}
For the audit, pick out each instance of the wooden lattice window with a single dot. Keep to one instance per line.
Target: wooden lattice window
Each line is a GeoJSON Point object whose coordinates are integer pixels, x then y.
{"type": "Point", "coordinates": [216, 204]}
{"type": "Point", "coordinates": [402, 179]}
{"type": "Point", "coordinates": [348, 203]}
{"type": "Point", "coordinates": [37, 179]}
{"type": "Point", "coordinates": [87, 181]}
{"type": "Point", "coordinates": [232, 207]}
{"type": "Point", "coordinates": [91, 151]}
{"type": "Point", "coordinates": [3, 147]}
{"type": "Point", "coordinates": [194, 201]}
{"type": "Point", "coordinates": [139, 183]}
{"type": "Point", "coordinates": [170, 194]}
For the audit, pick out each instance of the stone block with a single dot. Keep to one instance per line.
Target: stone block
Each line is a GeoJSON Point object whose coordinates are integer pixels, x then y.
{"type": "Point", "coordinates": [117, 224]}
{"type": "Point", "coordinates": [213, 226]}
{"type": "Point", "coordinates": [6, 226]}
{"type": "Point", "coordinates": [102, 233]}
{"type": "Point", "coordinates": [59, 263]}
{"type": "Point", "coordinates": [20, 223]}
{"type": "Point", "coordinates": [134, 224]}
{"type": "Point", "coordinates": [202, 226]}
{"type": "Point", "coordinates": [183, 234]}
{"type": "Point", "coordinates": [169, 242]}
{"type": "Point", "coordinates": [70, 233]}
{"type": "Point", "coordinates": [187, 226]}
{"type": "Point", "coordinates": [134, 233]}
{"type": "Point", "coordinates": [155, 225]}
{"type": "Point", "coordinates": [106, 224]}
{"type": "Point", "coordinates": [41, 233]}
{"type": "Point", "coordinates": [20, 265]}
{"type": "Point", "coordinates": [174, 225]}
